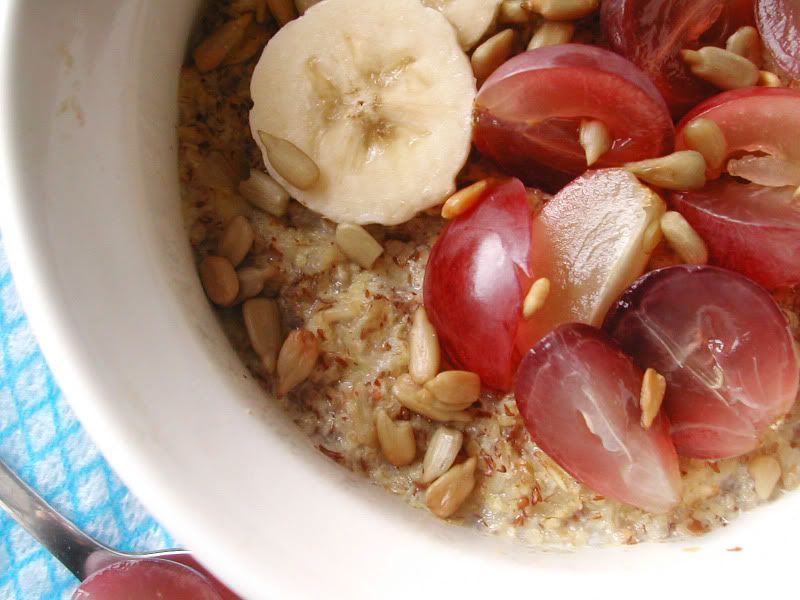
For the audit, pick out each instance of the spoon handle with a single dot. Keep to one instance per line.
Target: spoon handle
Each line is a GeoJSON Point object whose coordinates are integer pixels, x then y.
{"type": "Point", "coordinates": [76, 550]}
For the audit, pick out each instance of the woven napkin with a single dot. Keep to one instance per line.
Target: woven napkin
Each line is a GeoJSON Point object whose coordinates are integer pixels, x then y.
{"type": "Point", "coordinates": [43, 442]}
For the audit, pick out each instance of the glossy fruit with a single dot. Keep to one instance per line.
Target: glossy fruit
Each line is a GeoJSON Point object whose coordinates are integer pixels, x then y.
{"type": "Point", "coordinates": [651, 33]}
{"type": "Point", "coordinates": [779, 25]}
{"type": "Point", "coordinates": [528, 113]}
{"type": "Point", "coordinates": [477, 276]}
{"type": "Point", "coordinates": [724, 347]}
{"type": "Point", "coordinates": [751, 229]}
{"type": "Point", "coordinates": [145, 579]}
{"type": "Point", "coordinates": [753, 120]}
{"type": "Point", "coordinates": [579, 396]}
{"type": "Point", "coordinates": [592, 240]}
{"type": "Point", "coordinates": [748, 228]}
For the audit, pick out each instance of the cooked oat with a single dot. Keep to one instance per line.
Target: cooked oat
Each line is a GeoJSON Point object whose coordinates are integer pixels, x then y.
{"type": "Point", "coordinates": [361, 320]}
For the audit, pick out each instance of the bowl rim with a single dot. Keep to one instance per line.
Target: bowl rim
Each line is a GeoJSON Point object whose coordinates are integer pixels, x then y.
{"type": "Point", "coordinates": [26, 246]}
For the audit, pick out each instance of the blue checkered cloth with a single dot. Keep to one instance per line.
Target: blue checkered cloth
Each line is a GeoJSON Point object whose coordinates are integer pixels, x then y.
{"type": "Point", "coordinates": [43, 442]}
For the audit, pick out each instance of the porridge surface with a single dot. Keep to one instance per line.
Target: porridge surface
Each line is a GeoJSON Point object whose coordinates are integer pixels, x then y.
{"type": "Point", "coordinates": [361, 319]}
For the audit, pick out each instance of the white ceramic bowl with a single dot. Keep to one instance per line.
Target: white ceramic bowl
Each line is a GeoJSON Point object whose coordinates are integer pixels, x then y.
{"type": "Point", "coordinates": [91, 222]}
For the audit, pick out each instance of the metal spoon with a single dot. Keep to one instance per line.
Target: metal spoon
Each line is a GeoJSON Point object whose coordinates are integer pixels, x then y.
{"type": "Point", "coordinates": [81, 554]}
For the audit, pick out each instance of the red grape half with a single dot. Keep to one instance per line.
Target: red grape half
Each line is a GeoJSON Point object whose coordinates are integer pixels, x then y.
{"type": "Point", "coordinates": [579, 396]}
{"type": "Point", "coordinates": [724, 347]}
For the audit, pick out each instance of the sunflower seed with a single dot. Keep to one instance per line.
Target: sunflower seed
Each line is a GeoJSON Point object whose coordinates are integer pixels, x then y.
{"type": "Point", "coordinates": [492, 53]}
{"type": "Point", "coordinates": [684, 170]}
{"type": "Point", "coordinates": [552, 33]}
{"type": "Point", "coordinates": [455, 390]}
{"type": "Point", "coordinates": [283, 10]}
{"type": "Point", "coordinates": [262, 320]}
{"type": "Point", "coordinates": [706, 137]}
{"type": "Point", "coordinates": [442, 450]}
{"type": "Point", "coordinates": [424, 352]}
{"type": "Point", "coordinates": [769, 79]}
{"type": "Point", "coordinates": [263, 192]}
{"type": "Point", "coordinates": [464, 199]}
{"type": "Point", "coordinates": [357, 244]}
{"type": "Point", "coordinates": [446, 495]}
{"type": "Point", "coordinates": [745, 42]}
{"type": "Point", "coordinates": [563, 10]}
{"type": "Point", "coordinates": [652, 395]}
{"type": "Point", "coordinates": [291, 163]}
{"type": "Point", "coordinates": [536, 297]}
{"type": "Point", "coordinates": [296, 360]}
{"type": "Point", "coordinates": [396, 439]}
{"type": "Point", "coordinates": [765, 471]}
{"type": "Point", "coordinates": [596, 140]}
{"type": "Point", "coordinates": [219, 280]}
{"type": "Point", "coordinates": [513, 12]}
{"type": "Point", "coordinates": [213, 50]}
{"type": "Point", "coordinates": [684, 239]}
{"type": "Point", "coordinates": [252, 280]}
{"type": "Point", "coordinates": [236, 240]}
{"type": "Point", "coordinates": [721, 68]}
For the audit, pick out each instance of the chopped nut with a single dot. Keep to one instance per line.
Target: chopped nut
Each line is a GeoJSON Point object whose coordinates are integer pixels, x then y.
{"type": "Point", "coordinates": [724, 69]}
{"type": "Point", "coordinates": [684, 239]}
{"type": "Point", "coordinates": [552, 33]}
{"type": "Point", "coordinates": [492, 53]}
{"type": "Point", "coordinates": [706, 137]}
{"type": "Point", "coordinates": [464, 199]}
{"type": "Point", "coordinates": [456, 390]}
{"type": "Point", "coordinates": [446, 495]}
{"type": "Point", "coordinates": [424, 352]}
{"type": "Point", "coordinates": [654, 386]}
{"type": "Point", "coordinates": [765, 471]}
{"type": "Point", "coordinates": [441, 453]}
{"type": "Point", "coordinates": [296, 360]}
{"type": "Point", "coordinates": [536, 297]}
{"type": "Point", "coordinates": [396, 439]}
{"type": "Point", "coordinates": [684, 170]}
{"type": "Point", "coordinates": [358, 244]}
{"type": "Point", "coordinates": [291, 163]}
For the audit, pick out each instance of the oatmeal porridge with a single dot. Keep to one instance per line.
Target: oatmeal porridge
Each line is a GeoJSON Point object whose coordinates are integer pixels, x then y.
{"type": "Point", "coordinates": [327, 310]}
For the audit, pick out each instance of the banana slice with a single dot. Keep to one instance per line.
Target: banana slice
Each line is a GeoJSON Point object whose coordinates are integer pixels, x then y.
{"type": "Point", "coordinates": [471, 18]}
{"type": "Point", "coordinates": [379, 95]}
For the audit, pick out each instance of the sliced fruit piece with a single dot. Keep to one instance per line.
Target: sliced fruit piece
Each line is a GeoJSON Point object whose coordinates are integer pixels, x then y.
{"type": "Point", "coordinates": [592, 240]}
{"type": "Point", "coordinates": [651, 33]}
{"type": "Point", "coordinates": [779, 25]}
{"type": "Point", "coordinates": [384, 111]}
{"type": "Point", "coordinates": [470, 18]}
{"type": "Point", "coordinates": [528, 114]}
{"type": "Point", "coordinates": [475, 284]}
{"type": "Point", "coordinates": [579, 396]}
{"type": "Point", "coordinates": [724, 347]}
{"type": "Point", "coordinates": [751, 229]}
{"type": "Point", "coordinates": [151, 578]}
{"type": "Point", "coordinates": [748, 228]}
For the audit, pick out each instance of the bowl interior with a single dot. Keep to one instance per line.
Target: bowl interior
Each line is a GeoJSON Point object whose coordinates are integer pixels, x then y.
{"type": "Point", "coordinates": [91, 221]}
